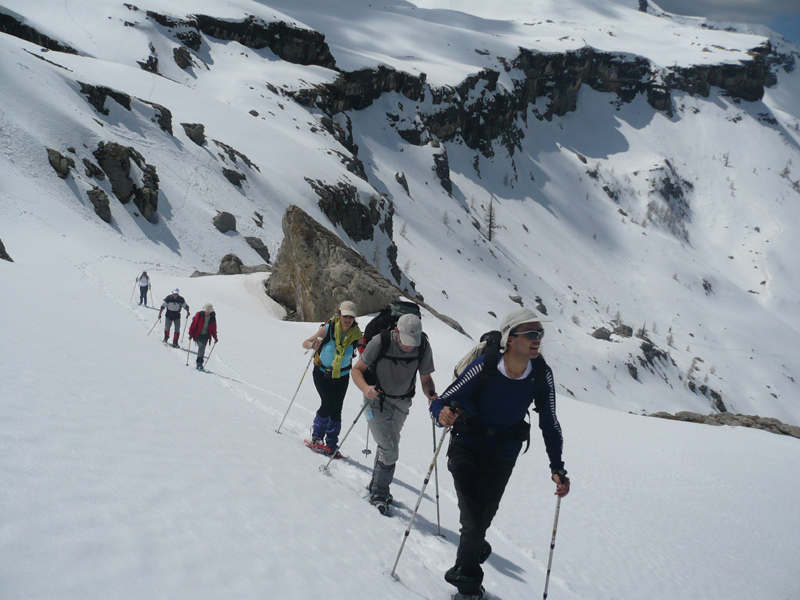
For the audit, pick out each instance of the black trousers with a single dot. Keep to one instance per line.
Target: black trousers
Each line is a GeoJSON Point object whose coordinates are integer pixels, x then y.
{"type": "Point", "coordinates": [480, 482]}
{"type": "Point", "coordinates": [331, 393]}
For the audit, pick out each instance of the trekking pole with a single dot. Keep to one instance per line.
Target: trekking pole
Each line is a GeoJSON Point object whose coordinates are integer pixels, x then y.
{"type": "Point", "coordinates": [552, 546]}
{"type": "Point", "coordinates": [185, 325]}
{"type": "Point", "coordinates": [436, 478]}
{"type": "Point", "coordinates": [278, 430]}
{"type": "Point", "coordinates": [188, 351]}
{"type": "Point", "coordinates": [419, 500]}
{"type": "Point", "coordinates": [366, 451]}
{"type": "Point", "coordinates": [134, 289]}
{"type": "Point", "coordinates": [154, 326]}
{"type": "Point", "coordinates": [210, 351]}
{"type": "Point", "coordinates": [333, 455]}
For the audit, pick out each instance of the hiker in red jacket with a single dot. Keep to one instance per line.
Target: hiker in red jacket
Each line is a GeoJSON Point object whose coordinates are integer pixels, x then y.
{"type": "Point", "coordinates": [203, 327]}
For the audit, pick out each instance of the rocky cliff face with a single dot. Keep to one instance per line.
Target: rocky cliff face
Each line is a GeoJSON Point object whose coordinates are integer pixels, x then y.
{"type": "Point", "coordinates": [480, 112]}
{"type": "Point", "coordinates": [314, 272]}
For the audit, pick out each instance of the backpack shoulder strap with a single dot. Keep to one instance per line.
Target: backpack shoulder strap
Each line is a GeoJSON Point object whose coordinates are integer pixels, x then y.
{"type": "Point", "coordinates": [386, 343]}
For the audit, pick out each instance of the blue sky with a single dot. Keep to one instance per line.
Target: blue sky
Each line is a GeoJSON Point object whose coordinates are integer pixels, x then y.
{"type": "Point", "coordinates": [782, 16]}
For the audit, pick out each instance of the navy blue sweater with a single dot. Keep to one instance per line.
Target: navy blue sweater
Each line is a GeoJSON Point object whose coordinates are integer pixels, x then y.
{"type": "Point", "coordinates": [501, 404]}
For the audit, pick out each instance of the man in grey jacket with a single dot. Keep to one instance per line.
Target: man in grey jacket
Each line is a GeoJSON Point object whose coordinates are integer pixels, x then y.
{"type": "Point", "coordinates": [392, 359]}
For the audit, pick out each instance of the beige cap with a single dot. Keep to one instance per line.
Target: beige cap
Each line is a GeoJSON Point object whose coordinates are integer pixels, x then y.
{"type": "Point", "coordinates": [348, 308]}
{"type": "Point", "coordinates": [208, 308]}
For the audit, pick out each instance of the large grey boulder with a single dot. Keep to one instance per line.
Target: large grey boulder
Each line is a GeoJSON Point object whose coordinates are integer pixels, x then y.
{"type": "Point", "coordinates": [314, 272]}
{"type": "Point", "coordinates": [60, 163]}
{"type": "Point", "coordinates": [225, 222]}
{"type": "Point", "coordinates": [195, 132]}
{"type": "Point", "coordinates": [230, 265]}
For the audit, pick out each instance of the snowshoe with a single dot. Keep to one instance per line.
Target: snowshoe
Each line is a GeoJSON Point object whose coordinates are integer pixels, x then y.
{"type": "Point", "coordinates": [478, 596]}
{"type": "Point", "coordinates": [381, 503]}
{"type": "Point", "coordinates": [322, 449]}
{"type": "Point", "coordinates": [467, 581]}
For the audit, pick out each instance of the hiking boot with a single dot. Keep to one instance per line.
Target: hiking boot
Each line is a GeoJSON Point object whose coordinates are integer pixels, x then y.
{"type": "Point", "coordinates": [467, 580]}
{"type": "Point", "coordinates": [200, 367]}
{"type": "Point", "coordinates": [174, 344]}
{"type": "Point", "coordinates": [315, 441]}
{"type": "Point", "coordinates": [166, 338]}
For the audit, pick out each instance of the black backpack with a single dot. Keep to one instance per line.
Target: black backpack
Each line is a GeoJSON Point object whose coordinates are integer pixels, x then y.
{"type": "Point", "coordinates": [489, 346]}
{"type": "Point", "coordinates": [383, 324]}
{"type": "Point", "coordinates": [387, 319]}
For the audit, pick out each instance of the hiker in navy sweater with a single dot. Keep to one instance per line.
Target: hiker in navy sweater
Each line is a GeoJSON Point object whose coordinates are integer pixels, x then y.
{"type": "Point", "coordinates": [489, 428]}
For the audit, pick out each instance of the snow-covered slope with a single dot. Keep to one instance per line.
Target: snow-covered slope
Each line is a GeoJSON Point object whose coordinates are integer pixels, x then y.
{"type": "Point", "coordinates": [612, 213]}
{"type": "Point", "coordinates": [126, 474]}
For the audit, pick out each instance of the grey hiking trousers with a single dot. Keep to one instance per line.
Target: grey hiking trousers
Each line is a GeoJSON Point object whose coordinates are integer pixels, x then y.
{"type": "Point", "coordinates": [385, 426]}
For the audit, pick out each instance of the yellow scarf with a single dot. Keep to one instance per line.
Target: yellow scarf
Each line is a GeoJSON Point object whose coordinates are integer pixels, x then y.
{"type": "Point", "coordinates": [343, 341]}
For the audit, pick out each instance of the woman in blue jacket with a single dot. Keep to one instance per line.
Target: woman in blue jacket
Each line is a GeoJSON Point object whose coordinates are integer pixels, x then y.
{"type": "Point", "coordinates": [335, 345]}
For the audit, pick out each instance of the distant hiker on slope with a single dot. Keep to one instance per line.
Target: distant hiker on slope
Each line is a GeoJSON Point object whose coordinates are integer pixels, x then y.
{"type": "Point", "coordinates": [173, 305]}
{"type": "Point", "coordinates": [203, 328]}
{"type": "Point", "coordinates": [407, 351]}
{"type": "Point", "coordinates": [335, 345]}
{"type": "Point", "coordinates": [144, 286]}
{"type": "Point", "coordinates": [488, 430]}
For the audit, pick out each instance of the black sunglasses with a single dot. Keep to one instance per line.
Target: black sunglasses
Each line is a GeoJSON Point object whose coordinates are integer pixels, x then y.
{"type": "Point", "coordinates": [533, 334]}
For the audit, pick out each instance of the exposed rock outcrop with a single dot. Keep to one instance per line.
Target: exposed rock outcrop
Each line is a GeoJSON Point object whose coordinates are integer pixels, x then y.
{"type": "Point", "coordinates": [258, 245]}
{"type": "Point", "coordinates": [3, 254]}
{"type": "Point", "coordinates": [230, 265]}
{"type": "Point", "coordinates": [341, 204]}
{"type": "Point", "coordinates": [233, 265]}
{"type": "Point", "coordinates": [480, 112]}
{"type": "Point", "coordinates": [12, 26]}
{"type": "Point", "coordinates": [92, 170]}
{"type": "Point", "coordinates": [441, 166]}
{"type": "Point", "coordinates": [314, 272]}
{"type": "Point", "coordinates": [195, 132]}
{"type": "Point", "coordinates": [163, 116]}
{"type": "Point", "coordinates": [292, 44]}
{"type": "Point", "coordinates": [234, 177]}
{"type": "Point", "coordinates": [225, 222]}
{"type": "Point", "coordinates": [734, 420]}
{"type": "Point", "coordinates": [60, 163]}
{"type": "Point", "coordinates": [99, 200]}
{"type": "Point", "coordinates": [182, 56]}
{"type": "Point", "coordinates": [97, 94]}
{"type": "Point", "coordinates": [115, 160]}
